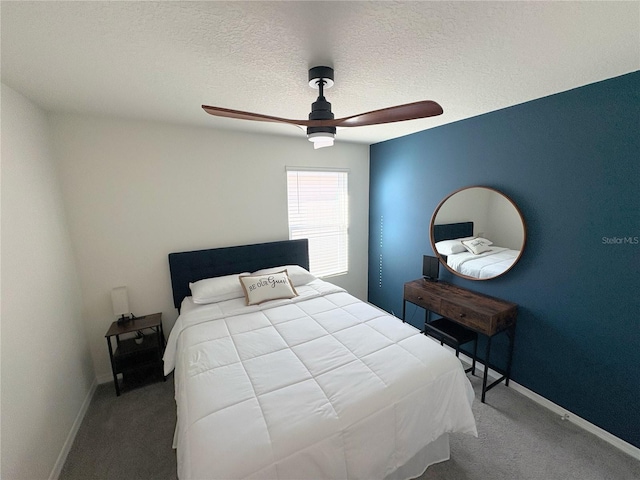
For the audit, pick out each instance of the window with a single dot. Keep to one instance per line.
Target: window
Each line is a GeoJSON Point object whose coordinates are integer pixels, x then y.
{"type": "Point", "coordinates": [319, 210]}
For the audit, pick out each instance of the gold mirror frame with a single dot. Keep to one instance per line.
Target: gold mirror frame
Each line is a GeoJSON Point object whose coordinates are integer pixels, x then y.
{"type": "Point", "coordinates": [465, 216]}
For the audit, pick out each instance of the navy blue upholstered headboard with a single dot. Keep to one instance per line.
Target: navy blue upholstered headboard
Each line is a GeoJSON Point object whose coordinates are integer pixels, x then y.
{"type": "Point", "coordinates": [192, 266]}
{"type": "Point", "coordinates": [449, 231]}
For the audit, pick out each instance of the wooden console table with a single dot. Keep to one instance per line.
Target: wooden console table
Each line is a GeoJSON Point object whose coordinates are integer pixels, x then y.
{"type": "Point", "coordinates": [480, 313]}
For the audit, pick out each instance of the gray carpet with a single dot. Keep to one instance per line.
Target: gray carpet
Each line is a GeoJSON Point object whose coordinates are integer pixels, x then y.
{"type": "Point", "coordinates": [129, 437]}
{"type": "Point", "coordinates": [521, 440]}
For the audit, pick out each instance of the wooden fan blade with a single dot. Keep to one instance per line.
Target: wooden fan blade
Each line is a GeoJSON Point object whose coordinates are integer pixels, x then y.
{"type": "Point", "coordinates": [227, 112]}
{"type": "Point", "coordinates": [399, 113]}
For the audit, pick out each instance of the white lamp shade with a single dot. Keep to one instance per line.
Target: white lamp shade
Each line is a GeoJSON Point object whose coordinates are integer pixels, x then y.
{"type": "Point", "coordinates": [120, 301]}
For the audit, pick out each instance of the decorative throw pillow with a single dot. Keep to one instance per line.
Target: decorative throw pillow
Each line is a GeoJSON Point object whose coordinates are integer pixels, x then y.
{"type": "Point", "coordinates": [449, 247]}
{"type": "Point", "coordinates": [298, 275]}
{"type": "Point", "coordinates": [485, 240]}
{"type": "Point", "coordinates": [272, 286]}
{"type": "Point", "coordinates": [477, 245]}
{"type": "Point", "coordinates": [216, 289]}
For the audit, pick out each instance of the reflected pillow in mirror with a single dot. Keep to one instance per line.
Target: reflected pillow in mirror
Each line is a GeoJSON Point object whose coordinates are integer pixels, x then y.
{"type": "Point", "coordinates": [485, 240]}
{"type": "Point", "coordinates": [477, 245]}
{"type": "Point", "coordinates": [449, 247]}
{"type": "Point", "coordinates": [272, 286]}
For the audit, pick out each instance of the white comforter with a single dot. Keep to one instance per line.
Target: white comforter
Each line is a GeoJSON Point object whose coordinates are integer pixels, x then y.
{"type": "Point", "coordinates": [484, 265]}
{"type": "Point", "coordinates": [321, 386]}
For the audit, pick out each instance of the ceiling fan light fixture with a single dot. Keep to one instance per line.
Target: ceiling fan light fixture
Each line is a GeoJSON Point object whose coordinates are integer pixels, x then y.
{"type": "Point", "coordinates": [321, 139]}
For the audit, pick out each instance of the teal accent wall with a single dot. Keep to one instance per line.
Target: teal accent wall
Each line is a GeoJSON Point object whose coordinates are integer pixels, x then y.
{"type": "Point", "coordinates": [571, 162]}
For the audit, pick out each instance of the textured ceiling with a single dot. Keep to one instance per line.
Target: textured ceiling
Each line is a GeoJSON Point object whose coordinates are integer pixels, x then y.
{"type": "Point", "coordinates": [162, 60]}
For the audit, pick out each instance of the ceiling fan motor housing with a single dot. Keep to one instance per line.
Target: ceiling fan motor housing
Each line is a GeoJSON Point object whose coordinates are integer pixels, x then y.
{"type": "Point", "coordinates": [321, 110]}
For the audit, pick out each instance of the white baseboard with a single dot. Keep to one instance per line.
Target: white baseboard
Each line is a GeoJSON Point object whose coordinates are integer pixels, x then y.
{"type": "Point", "coordinates": [575, 419]}
{"type": "Point", "coordinates": [66, 448]}
{"type": "Point", "coordinates": [562, 412]}
{"type": "Point", "coordinates": [105, 378]}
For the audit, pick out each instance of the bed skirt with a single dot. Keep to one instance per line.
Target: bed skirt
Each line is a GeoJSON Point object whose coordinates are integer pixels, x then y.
{"type": "Point", "coordinates": [435, 452]}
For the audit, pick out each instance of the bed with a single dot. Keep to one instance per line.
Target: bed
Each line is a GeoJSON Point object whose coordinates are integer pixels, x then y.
{"type": "Point", "coordinates": [317, 386]}
{"type": "Point", "coordinates": [492, 262]}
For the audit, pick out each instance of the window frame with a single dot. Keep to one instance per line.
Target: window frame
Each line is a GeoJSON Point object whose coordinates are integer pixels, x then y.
{"type": "Point", "coordinates": [318, 263]}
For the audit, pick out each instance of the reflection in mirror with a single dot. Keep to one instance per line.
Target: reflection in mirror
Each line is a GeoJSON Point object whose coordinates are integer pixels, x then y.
{"type": "Point", "coordinates": [478, 233]}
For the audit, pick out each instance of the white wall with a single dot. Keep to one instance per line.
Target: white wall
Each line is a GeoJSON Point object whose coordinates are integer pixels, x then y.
{"type": "Point", "coordinates": [135, 191]}
{"type": "Point", "coordinates": [47, 370]}
{"type": "Point", "coordinates": [505, 223]}
{"type": "Point", "coordinates": [471, 205]}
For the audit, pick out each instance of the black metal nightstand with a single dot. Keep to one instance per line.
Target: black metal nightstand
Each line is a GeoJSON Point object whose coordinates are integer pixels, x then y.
{"type": "Point", "coordinates": [139, 363]}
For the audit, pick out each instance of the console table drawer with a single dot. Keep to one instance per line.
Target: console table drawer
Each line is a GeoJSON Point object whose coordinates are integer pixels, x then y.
{"type": "Point", "coordinates": [419, 297]}
{"type": "Point", "coordinates": [484, 314]}
{"type": "Point", "coordinates": [466, 316]}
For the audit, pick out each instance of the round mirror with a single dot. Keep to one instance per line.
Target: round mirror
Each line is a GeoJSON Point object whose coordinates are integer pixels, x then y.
{"type": "Point", "coordinates": [478, 233]}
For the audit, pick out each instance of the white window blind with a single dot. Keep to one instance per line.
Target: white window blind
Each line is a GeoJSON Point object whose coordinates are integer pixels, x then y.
{"type": "Point", "coordinates": [319, 211]}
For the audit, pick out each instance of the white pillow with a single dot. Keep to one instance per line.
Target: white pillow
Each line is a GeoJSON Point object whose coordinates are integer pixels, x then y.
{"type": "Point", "coordinates": [298, 275]}
{"type": "Point", "coordinates": [485, 240]}
{"type": "Point", "coordinates": [477, 245]}
{"type": "Point", "coordinates": [272, 286]}
{"type": "Point", "coordinates": [449, 247]}
{"type": "Point", "coordinates": [217, 289]}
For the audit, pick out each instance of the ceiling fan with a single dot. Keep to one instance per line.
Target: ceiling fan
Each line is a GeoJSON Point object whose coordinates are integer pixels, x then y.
{"type": "Point", "coordinates": [321, 125]}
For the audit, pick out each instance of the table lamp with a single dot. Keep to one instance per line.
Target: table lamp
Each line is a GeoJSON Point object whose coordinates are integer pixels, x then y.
{"type": "Point", "coordinates": [120, 302]}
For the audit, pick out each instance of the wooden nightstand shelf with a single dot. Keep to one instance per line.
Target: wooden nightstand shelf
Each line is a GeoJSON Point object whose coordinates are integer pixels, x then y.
{"type": "Point", "coordinates": [138, 363]}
